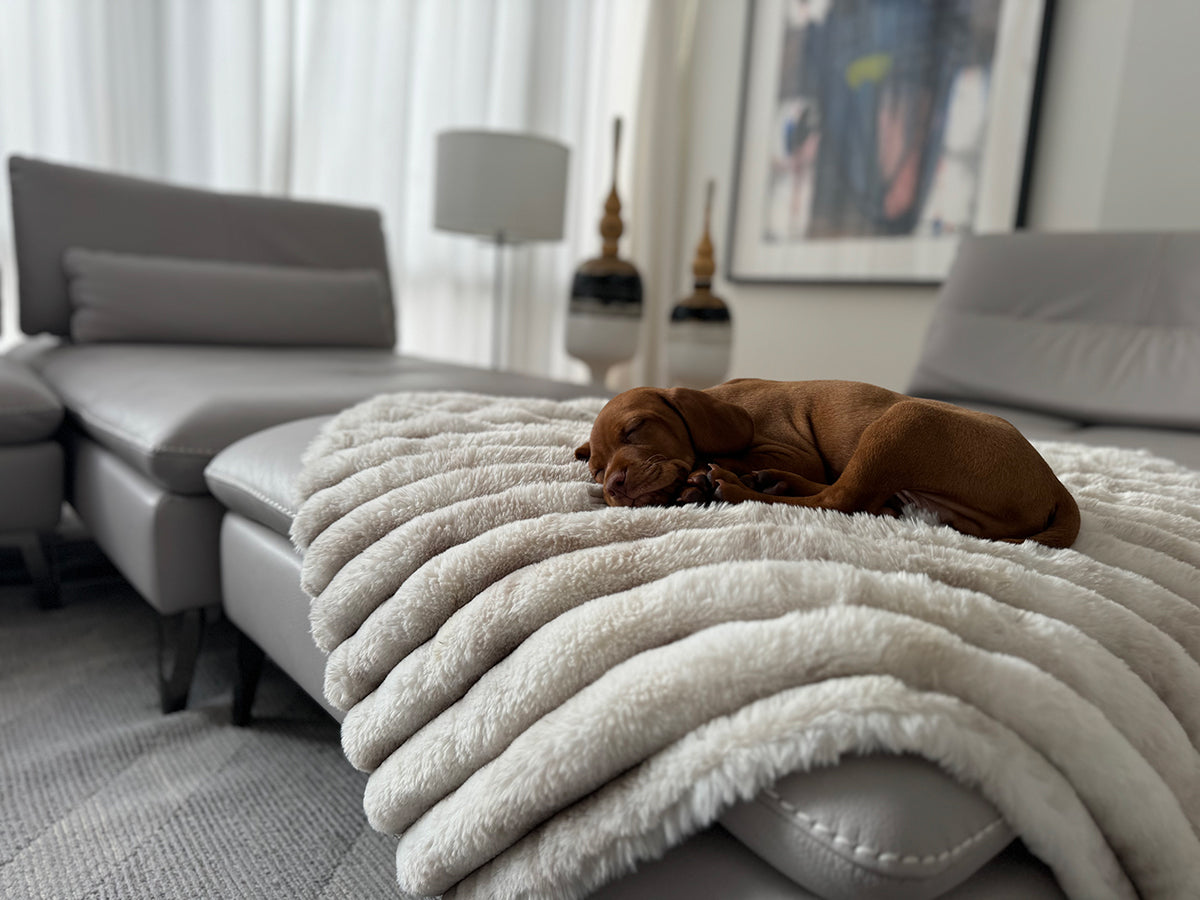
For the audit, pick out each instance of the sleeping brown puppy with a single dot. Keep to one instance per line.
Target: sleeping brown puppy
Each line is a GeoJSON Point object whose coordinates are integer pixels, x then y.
{"type": "Point", "coordinates": [840, 445]}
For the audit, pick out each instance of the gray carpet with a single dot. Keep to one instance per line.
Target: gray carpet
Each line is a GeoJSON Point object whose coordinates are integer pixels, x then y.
{"type": "Point", "coordinates": [101, 796]}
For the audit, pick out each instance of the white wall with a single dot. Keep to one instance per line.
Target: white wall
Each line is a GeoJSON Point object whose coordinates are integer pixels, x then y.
{"type": "Point", "coordinates": [1117, 150]}
{"type": "Point", "coordinates": [1079, 109]}
{"type": "Point", "coordinates": [1154, 178]}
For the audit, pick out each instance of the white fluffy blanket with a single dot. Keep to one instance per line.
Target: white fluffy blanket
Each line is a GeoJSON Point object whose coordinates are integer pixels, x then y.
{"type": "Point", "coordinates": [546, 691]}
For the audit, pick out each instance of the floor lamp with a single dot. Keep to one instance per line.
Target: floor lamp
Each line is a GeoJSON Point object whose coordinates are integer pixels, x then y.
{"type": "Point", "coordinates": [506, 187]}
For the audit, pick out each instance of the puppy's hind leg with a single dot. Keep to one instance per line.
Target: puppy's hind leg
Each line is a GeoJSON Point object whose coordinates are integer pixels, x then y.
{"type": "Point", "coordinates": [903, 449]}
{"type": "Point", "coordinates": [837, 496]}
{"type": "Point", "coordinates": [781, 483]}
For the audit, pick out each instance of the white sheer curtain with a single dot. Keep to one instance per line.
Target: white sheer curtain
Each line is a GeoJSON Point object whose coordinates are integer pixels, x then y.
{"type": "Point", "coordinates": [342, 101]}
{"type": "Point", "coordinates": [659, 176]}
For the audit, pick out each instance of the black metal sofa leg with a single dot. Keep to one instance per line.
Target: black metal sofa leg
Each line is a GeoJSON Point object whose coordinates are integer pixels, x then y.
{"type": "Point", "coordinates": [38, 552]}
{"type": "Point", "coordinates": [249, 669]}
{"type": "Point", "coordinates": [179, 639]}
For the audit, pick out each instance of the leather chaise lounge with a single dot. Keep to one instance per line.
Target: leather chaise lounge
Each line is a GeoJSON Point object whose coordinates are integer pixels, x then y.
{"type": "Point", "coordinates": [182, 321]}
{"type": "Point", "coordinates": [186, 425]}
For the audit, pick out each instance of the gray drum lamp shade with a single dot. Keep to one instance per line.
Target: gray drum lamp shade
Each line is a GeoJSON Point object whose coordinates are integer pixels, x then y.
{"type": "Point", "coordinates": [506, 186]}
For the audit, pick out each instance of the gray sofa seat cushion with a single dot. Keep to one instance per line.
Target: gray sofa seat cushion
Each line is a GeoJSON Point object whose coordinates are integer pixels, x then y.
{"type": "Point", "coordinates": [1100, 328]}
{"type": "Point", "coordinates": [256, 476]}
{"type": "Point", "coordinates": [881, 826]}
{"type": "Point", "coordinates": [1181, 446]}
{"type": "Point", "coordinates": [167, 409]}
{"type": "Point", "coordinates": [129, 297]}
{"type": "Point", "coordinates": [29, 410]}
{"type": "Point", "coordinates": [55, 207]}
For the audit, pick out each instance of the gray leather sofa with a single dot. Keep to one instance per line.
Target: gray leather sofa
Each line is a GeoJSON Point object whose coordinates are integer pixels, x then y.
{"type": "Point", "coordinates": [1072, 337]}
{"type": "Point", "coordinates": [172, 322]}
{"type": "Point", "coordinates": [31, 472]}
{"type": "Point", "coordinates": [187, 420]}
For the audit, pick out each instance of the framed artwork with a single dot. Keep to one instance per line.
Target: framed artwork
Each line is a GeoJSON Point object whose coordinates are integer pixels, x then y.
{"type": "Point", "coordinates": [875, 134]}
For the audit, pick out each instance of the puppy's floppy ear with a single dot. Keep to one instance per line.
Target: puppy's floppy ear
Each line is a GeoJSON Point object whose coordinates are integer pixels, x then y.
{"type": "Point", "coordinates": [584, 451]}
{"type": "Point", "coordinates": [717, 426]}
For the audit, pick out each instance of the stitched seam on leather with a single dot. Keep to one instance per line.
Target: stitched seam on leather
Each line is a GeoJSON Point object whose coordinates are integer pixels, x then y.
{"type": "Point", "coordinates": [823, 831]}
{"type": "Point", "coordinates": [253, 492]}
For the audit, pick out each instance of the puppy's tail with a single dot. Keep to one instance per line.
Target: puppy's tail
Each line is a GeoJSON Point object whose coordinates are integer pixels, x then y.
{"type": "Point", "coordinates": [1063, 525]}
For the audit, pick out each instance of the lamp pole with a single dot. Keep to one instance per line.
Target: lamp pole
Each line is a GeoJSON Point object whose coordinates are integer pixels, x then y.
{"type": "Point", "coordinates": [504, 187]}
{"type": "Point", "coordinates": [499, 303]}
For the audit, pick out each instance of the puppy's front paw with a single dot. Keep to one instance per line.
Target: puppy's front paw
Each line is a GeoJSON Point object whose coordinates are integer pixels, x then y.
{"type": "Point", "coordinates": [698, 488]}
{"type": "Point", "coordinates": [732, 491]}
{"type": "Point", "coordinates": [727, 486]}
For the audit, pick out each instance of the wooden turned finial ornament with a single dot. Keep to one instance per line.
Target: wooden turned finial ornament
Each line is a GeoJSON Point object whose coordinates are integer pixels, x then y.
{"type": "Point", "coordinates": [703, 266]}
{"type": "Point", "coordinates": [700, 333]}
{"type": "Point", "coordinates": [702, 303]}
{"type": "Point", "coordinates": [608, 263]}
{"type": "Point", "coordinates": [611, 225]}
{"type": "Point", "coordinates": [606, 294]}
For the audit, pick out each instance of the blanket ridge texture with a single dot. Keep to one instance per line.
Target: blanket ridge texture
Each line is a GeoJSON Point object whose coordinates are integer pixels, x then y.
{"type": "Point", "coordinates": [547, 691]}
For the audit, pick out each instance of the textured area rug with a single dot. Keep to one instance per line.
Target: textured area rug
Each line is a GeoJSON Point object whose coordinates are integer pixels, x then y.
{"type": "Point", "coordinates": [101, 796]}
{"type": "Point", "coordinates": [546, 690]}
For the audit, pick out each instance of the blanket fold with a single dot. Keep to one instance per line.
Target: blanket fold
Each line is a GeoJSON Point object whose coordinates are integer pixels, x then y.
{"type": "Point", "coordinates": [547, 691]}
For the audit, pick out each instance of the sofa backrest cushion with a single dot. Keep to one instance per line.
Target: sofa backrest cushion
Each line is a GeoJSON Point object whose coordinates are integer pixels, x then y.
{"type": "Point", "coordinates": [56, 207]}
{"type": "Point", "coordinates": [1099, 327]}
{"type": "Point", "coordinates": [125, 297]}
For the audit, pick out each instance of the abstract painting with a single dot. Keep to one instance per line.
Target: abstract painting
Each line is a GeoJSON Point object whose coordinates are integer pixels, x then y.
{"type": "Point", "coordinates": [877, 133]}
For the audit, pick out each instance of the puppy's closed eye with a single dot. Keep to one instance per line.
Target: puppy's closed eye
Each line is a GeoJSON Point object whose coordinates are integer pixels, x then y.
{"type": "Point", "coordinates": [630, 431]}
